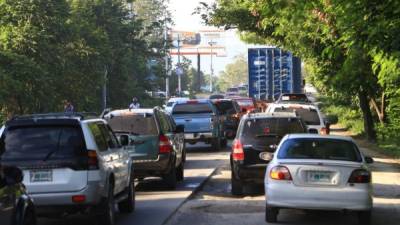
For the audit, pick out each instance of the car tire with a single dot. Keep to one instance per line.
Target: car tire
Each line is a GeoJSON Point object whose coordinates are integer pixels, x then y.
{"type": "Point", "coordinates": [216, 144]}
{"type": "Point", "coordinates": [170, 178]}
{"type": "Point", "coordinates": [237, 186]}
{"type": "Point", "coordinates": [180, 174]}
{"type": "Point", "coordinates": [364, 217]}
{"type": "Point", "coordinates": [107, 208]}
{"type": "Point", "coordinates": [29, 217]}
{"type": "Point", "coordinates": [184, 153]}
{"type": "Point", "coordinates": [128, 205]}
{"type": "Point", "coordinates": [271, 214]}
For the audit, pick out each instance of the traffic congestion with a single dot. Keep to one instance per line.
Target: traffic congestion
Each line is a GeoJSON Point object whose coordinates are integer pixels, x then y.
{"type": "Point", "coordinates": [71, 162]}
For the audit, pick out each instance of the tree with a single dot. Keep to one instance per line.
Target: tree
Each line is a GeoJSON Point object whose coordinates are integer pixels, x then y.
{"type": "Point", "coordinates": [235, 74]}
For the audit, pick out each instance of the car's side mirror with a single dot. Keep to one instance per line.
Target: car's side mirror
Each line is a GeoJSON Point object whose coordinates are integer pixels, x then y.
{"type": "Point", "coordinates": [180, 128]}
{"type": "Point", "coordinates": [369, 159]}
{"type": "Point", "coordinates": [12, 175]}
{"type": "Point", "coordinates": [124, 140]}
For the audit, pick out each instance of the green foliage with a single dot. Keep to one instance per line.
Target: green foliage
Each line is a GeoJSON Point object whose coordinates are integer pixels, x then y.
{"type": "Point", "coordinates": [235, 73]}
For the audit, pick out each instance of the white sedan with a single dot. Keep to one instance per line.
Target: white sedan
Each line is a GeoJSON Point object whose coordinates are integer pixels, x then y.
{"type": "Point", "coordinates": [315, 172]}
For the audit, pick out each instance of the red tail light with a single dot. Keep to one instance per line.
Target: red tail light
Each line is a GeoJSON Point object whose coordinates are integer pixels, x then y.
{"type": "Point", "coordinates": [237, 151]}
{"type": "Point", "coordinates": [280, 173]}
{"type": "Point", "coordinates": [93, 162]}
{"type": "Point", "coordinates": [165, 145]}
{"type": "Point", "coordinates": [78, 198]}
{"type": "Point", "coordinates": [360, 176]}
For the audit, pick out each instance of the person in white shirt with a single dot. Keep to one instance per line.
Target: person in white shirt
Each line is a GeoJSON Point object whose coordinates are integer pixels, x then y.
{"type": "Point", "coordinates": [135, 104]}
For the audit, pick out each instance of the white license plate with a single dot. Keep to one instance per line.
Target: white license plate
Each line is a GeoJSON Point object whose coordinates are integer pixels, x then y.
{"type": "Point", "coordinates": [266, 156]}
{"type": "Point", "coordinates": [320, 177]}
{"type": "Point", "coordinates": [41, 176]}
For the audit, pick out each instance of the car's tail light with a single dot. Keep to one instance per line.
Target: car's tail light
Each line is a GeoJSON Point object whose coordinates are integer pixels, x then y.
{"type": "Point", "coordinates": [360, 176]}
{"type": "Point", "coordinates": [237, 150]}
{"type": "Point", "coordinates": [280, 173]}
{"type": "Point", "coordinates": [93, 162]}
{"type": "Point", "coordinates": [165, 145]}
{"type": "Point", "coordinates": [78, 198]}
{"type": "Point", "coordinates": [324, 131]}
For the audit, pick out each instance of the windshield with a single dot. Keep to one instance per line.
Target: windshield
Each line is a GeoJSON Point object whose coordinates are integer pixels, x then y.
{"type": "Point", "coordinates": [265, 127]}
{"type": "Point", "coordinates": [135, 124]}
{"type": "Point", "coordinates": [233, 89]}
{"type": "Point", "coordinates": [327, 149]}
{"type": "Point", "coordinates": [294, 98]}
{"type": "Point", "coordinates": [226, 107]}
{"type": "Point", "coordinates": [41, 142]}
{"type": "Point", "coordinates": [309, 116]}
{"type": "Point", "coordinates": [192, 108]}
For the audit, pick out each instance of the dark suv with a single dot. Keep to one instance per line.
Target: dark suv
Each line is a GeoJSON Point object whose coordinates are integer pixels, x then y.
{"type": "Point", "coordinates": [230, 109]}
{"type": "Point", "coordinates": [156, 144]}
{"type": "Point", "coordinates": [255, 143]}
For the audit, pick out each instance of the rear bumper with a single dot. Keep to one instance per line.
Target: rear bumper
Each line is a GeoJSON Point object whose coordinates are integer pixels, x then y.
{"type": "Point", "coordinates": [157, 167]}
{"type": "Point", "coordinates": [249, 173]}
{"type": "Point", "coordinates": [284, 194]}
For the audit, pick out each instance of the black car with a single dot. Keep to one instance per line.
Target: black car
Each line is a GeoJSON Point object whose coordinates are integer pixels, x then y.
{"type": "Point", "coordinates": [256, 140]}
{"type": "Point", "coordinates": [156, 144]}
{"type": "Point", "coordinates": [230, 109]}
{"type": "Point", "coordinates": [16, 207]}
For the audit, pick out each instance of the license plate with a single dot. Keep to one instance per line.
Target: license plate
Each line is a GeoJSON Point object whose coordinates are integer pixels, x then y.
{"type": "Point", "coordinates": [41, 176]}
{"type": "Point", "coordinates": [266, 156]}
{"type": "Point", "coordinates": [320, 177]}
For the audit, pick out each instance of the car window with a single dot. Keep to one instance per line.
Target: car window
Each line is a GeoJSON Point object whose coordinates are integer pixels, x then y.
{"type": "Point", "coordinates": [225, 107]}
{"type": "Point", "coordinates": [192, 108]}
{"type": "Point", "coordinates": [164, 123]}
{"type": "Point", "coordinates": [137, 124]}
{"type": "Point", "coordinates": [98, 136]}
{"type": "Point", "coordinates": [245, 102]}
{"type": "Point", "coordinates": [40, 142]}
{"type": "Point", "coordinates": [309, 116]}
{"type": "Point", "coordinates": [109, 138]}
{"type": "Point", "coordinates": [294, 98]}
{"type": "Point", "coordinates": [327, 149]}
{"type": "Point", "coordinates": [272, 127]}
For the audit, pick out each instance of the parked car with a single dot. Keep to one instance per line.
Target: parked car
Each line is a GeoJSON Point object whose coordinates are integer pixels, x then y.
{"type": "Point", "coordinates": [216, 96]}
{"type": "Point", "coordinates": [233, 91]}
{"type": "Point", "coordinates": [255, 143]}
{"type": "Point", "coordinates": [246, 104]}
{"type": "Point", "coordinates": [70, 164]}
{"type": "Point", "coordinates": [230, 110]}
{"type": "Point", "coordinates": [16, 206]}
{"type": "Point", "coordinates": [201, 121]}
{"type": "Point", "coordinates": [243, 90]}
{"type": "Point", "coordinates": [172, 101]}
{"type": "Point", "coordinates": [156, 144]}
{"type": "Point", "coordinates": [316, 172]}
{"type": "Point", "coordinates": [309, 113]}
{"type": "Point", "coordinates": [293, 98]}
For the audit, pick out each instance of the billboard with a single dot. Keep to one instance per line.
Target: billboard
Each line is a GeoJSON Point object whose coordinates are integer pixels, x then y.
{"type": "Point", "coordinates": [203, 42]}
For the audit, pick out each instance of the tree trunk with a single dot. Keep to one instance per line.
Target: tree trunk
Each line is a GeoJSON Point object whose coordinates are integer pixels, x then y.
{"type": "Point", "coordinates": [367, 115]}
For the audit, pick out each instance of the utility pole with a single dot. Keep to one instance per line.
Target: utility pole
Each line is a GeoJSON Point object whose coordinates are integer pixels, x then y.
{"type": "Point", "coordinates": [211, 43]}
{"type": "Point", "coordinates": [179, 65]}
{"type": "Point", "coordinates": [166, 60]}
{"type": "Point", "coordinates": [105, 88]}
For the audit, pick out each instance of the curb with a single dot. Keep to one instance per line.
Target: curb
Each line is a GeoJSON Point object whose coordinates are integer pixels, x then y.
{"type": "Point", "coordinates": [191, 196]}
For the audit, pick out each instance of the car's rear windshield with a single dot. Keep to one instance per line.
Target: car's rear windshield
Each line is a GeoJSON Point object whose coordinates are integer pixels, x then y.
{"type": "Point", "coordinates": [233, 89]}
{"type": "Point", "coordinates": [41, 142]}
{"type": "Point", "coordinates": [192, 108]}
{"type": "Point", "coordinates": [243, 88]}
{"type": "Point", "coordinates": [245, 102]}
{"type": "Point", "coordinates": [325, 149]}
{"type": "Point", "coordinates": [294, 97]}
{"type": "Point", "coordinates": [226, 107]}
{"type": "Point", "coordinates": [272, 127]}
{"type": "Point", "coordinates": [309, 116]}
{"type": "Point", "coordinates": [139, 124]}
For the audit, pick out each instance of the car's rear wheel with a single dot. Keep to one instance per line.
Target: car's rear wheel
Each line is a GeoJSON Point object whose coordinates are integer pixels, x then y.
{"type": "Point", "coordinates": [128, 205]}
{"type": "Point", "coordinates": [180, 172]}
{"type": "Point", "coordinates": [237, 186]}
{"type": "Point", "coordinates": [364, 217]}
{"type": "Point", "coordinates": [107, 209]}
{"type": "Point", "coordinates": [170, 178]}
{"type": "Point", "coordinates": [29, 217]}
{"type": "Point", "coordinates": [271, 214]}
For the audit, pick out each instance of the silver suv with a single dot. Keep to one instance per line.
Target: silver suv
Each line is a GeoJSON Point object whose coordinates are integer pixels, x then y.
{"type": "Point", "coordinates": [70, 164]}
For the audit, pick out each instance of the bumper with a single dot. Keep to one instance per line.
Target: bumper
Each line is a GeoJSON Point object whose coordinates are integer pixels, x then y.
{"type": "Point", "coordinates": [250, 173]}
{"type": "Point", "coordinates": [200, 136]}
{"type": "Point", "coordinates": [284, 194]}
{"type": "Point", "coordinates": [157, 167]}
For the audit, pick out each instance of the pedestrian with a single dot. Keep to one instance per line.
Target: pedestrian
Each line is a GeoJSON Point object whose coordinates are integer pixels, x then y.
{"type": "Point", "coordinates": [134, 104]}
{"type": "Point", "coordinates": [68, 107]}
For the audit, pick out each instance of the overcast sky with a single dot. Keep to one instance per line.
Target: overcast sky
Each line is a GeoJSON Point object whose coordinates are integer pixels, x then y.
{"type": "Point", "coordinates": [181, 11]}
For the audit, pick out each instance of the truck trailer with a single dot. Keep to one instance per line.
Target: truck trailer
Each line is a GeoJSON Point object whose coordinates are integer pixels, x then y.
{"type": "Point", "coordinates": [273, 71]}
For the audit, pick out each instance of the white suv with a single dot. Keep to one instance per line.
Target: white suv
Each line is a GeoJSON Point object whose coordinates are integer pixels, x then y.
{"type": "Point", "coordinates": [70, 164]}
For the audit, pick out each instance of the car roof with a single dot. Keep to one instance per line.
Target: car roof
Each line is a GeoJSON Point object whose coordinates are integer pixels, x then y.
{"type": "Point", "coordinates": [193, 101]}
{"type": "Point", "coordinates": [175, 99]}
{"type": "Point", "coordinates": [271, 115]}
{"type": "Point", "coordinates": [287, 105]}
{"type": "Point", "coordinates": [318, 136]}
{"type": "Point", "coordinates": [125, 112]}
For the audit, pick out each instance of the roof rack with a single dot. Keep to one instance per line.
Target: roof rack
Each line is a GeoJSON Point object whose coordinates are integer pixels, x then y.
{"type": "Point", "coordinates": [80, 115]}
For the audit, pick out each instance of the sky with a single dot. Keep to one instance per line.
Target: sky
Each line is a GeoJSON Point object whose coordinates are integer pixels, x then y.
{"type": "Point", "coordinates": [181, 11]}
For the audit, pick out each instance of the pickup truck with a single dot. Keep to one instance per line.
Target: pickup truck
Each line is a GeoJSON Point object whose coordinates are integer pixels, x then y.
{"type": "Point", "coordinates": [201, 121]}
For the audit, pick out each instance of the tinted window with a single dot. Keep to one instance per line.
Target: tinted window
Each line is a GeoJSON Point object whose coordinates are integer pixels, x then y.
{"type": "Point", "coordinates": [309, 116]}
{"type": "Point", "coordinates": [294, 98]}
{"type": "Point", "coordinates": [272, 127]}
{"type": "Point", "coordinates": [164, 123]}
{"type": "Point", "coordinates": [138, 124]}
{"type": "Point", "coordinates": [108, 136]}
{"type": "Point", "coordinates": [190, 108]}
{"type": "Point", "coordinates": [41, 142]}
{"type": "Point", "coordinates": [225, 107]}
{"type": "Point", "coordinates": [98, 136]}
{"type": "Point", "coordinates": [327, 149]}
{"type": "Point", "coordinates": [233, 89]}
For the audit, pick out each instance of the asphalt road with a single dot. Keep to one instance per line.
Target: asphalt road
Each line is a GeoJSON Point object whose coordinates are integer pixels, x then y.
{"type": "Point", "coordinates": [154, 203]}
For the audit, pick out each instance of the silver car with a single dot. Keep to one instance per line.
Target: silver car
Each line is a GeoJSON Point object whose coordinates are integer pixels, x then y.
{"type": "Point", "coordinates": [315, 172]}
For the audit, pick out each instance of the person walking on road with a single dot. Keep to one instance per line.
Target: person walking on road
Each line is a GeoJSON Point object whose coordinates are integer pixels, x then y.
{"type": "Point", "coordinates": [135, 104]}
{"type": "Point", "coordinates": [68, 107]}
